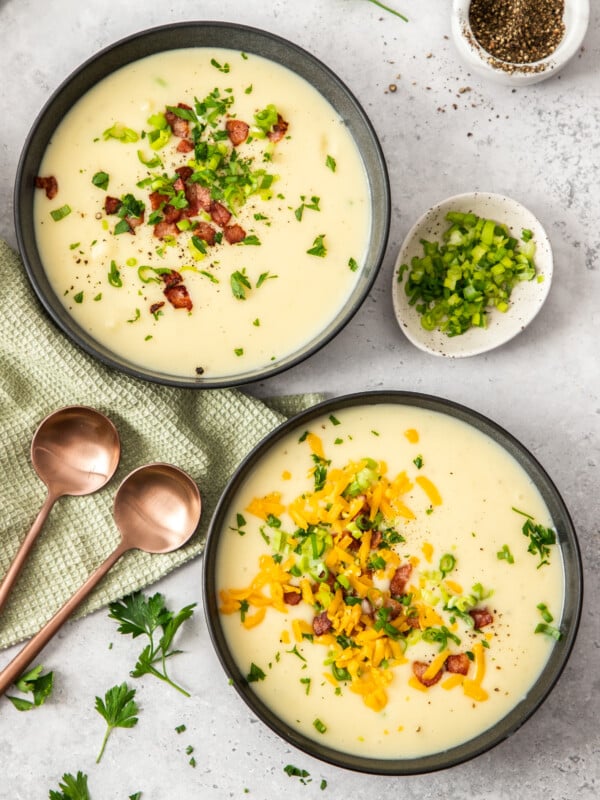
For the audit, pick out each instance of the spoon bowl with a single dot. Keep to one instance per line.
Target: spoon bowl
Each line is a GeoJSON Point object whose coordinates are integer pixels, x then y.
{"type": "Point", "coordinates": [157, 509]}
{"type": "Point", "coordinates": [75, 451]}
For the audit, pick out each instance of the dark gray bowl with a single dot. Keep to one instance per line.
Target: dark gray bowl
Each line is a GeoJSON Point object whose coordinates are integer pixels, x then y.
{"type": "Point", "coordinates": [573, 578]}
{"type": "Point", "coordinates": [201, 34]}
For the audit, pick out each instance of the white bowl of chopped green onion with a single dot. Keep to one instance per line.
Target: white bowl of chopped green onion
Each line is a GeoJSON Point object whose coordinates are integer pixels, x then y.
{"type": "Point", "coordinates": [471, 274]}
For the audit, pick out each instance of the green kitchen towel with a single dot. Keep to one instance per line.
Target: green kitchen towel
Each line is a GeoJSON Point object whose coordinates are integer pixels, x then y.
{"type": "Point", "coordinates": [205, 432]}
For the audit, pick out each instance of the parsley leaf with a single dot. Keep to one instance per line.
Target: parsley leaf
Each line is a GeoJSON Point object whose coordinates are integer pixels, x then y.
{"type": "Point", "coordinates": [239, 283]}
{"type": "Point", "coordinates": [101, 180]}
{"type": "Point", "coordinates": [71, 788]}
{"type": "Point", "coordinates": [318, 248]}
{"type": "Point", "coordinates": [255, 674]}
{"type": "Point", "coordinates": [39, 685]}
{"type": "Point", "coordinates": [139, 615]}
{"type": "Point", "coordinates": [118, 709]}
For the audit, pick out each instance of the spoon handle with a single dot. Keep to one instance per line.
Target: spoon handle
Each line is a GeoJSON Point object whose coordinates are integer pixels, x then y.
{"type": "Point", "coordinates": [33, 647]}
{"type": "Point", "coordinates": [23, 551]}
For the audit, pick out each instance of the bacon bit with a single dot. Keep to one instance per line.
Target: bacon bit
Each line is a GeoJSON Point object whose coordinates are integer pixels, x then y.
{"type": "Point", "coordinates": [220, 215]}
{"type": "Point", "coordinates": [198, 198]}
{"type": "Point", "coordinates": [134, 222]}
{"type": "Point", "coordinates": [185, 146]}
{"type": "Point", "coordinates": [321, 623]}
{"type": "Point", "coordinates": [112, 204]}
{"type": "Point", "coordinates": [179, 297]}
{"type": "Point", "coordinates": [481, 617]}
{"type": "Point", "coordinates": [292, 598]}
{"type": "Point", "coordinates": [458, 663]}
{"type": "Point", "coordinates": [171, 278]}
{"type": "Point", "coordinates": [175, 292]}
{"type": "Point", "coordinates": [237, 131]}
{"type": "Point", "coordinates": [179, 185]}
{"type": "Point", "coordinates": [376, 538]}
{"type": "Point", "coordinates": [206, 232]}
{"type": "Point", "coordinates": [395, 607]}
{"type": "Point", "coordinates": [157, 199]}
{"type": "Point", "coordinates": [171, 214]}
{"type": "Point", "coordinates": [179, 126]}
{"type": "Point", "coordinates": [420, 668]}
{"type": "Point", "coordinates": [279, 130]}
{"type": "Point", "coordinates": [163, 229]}
{"type": "Point", "coordinates": [156, 307]}
{"type": "Point", "coordinates": [49, 184]}
{"type": "Point", "coordinates": [184, 172]}
{"type": "Point", "coordinates": [234, 233]}
{"type": "Point", "coordinates": [400, 579]}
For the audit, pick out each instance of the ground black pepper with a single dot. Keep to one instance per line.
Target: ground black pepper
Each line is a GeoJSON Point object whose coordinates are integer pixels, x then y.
{"type": "Point", "coordinates": [517, 31]}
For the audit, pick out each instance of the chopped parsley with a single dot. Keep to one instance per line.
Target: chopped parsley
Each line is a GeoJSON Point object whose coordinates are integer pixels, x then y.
{"type": "Point", "coordinates": [255, 674]}
{"type": "Point", "coordinates": [540, 538]}
{"type": "Point", "coordinates": [318, 247]}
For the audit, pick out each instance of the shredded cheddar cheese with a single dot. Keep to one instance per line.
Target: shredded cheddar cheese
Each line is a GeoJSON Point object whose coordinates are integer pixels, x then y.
{"type": "Point", "coordinates": [370, 604]}
{"type": "Point", "coordinates": [412, 435]}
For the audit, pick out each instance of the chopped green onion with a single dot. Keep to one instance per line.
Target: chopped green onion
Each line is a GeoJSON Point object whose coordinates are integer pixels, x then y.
{"type": "Point", "coordinates": [114, 276]}
{"type": "Point", "coordinates": [447, 564]}
{"type": "Point", "coordinates": [320, 726]}
{"type": "Point", "coordinates": [120, 132]}
{"type": "Point", "coordinates": [505, 554]}
{"type": "Point", "coordinates": [546, 615]}
{"type": "Point", "coordinates": [60, 213]}
{"type": "Point", "coordinates": [549, 630]}
{"type": "Point", "coordinates": [455, 284]}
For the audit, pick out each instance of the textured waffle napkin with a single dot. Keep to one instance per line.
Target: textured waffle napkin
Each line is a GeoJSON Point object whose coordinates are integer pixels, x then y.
{"type": "Point", "coordinates": [205, 432]}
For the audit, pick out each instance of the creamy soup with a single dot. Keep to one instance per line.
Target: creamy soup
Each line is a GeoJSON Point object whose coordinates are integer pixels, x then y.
{"type": "Point", "coordinates": [379, 582]}
{"type": "Point", "coordinates": [202, 211]}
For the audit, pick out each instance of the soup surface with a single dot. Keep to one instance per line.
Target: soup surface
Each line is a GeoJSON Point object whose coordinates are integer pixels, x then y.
{"type": "Point", "coordinates": [388, 581]}
{"type": "Point", "coordinates": [205, 212]}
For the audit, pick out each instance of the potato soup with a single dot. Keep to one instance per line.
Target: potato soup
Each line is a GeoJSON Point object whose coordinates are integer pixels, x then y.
{"type": "Point", "coordinates": [388, 581]}
{"type": "Point", "coordinates": [202, 212]}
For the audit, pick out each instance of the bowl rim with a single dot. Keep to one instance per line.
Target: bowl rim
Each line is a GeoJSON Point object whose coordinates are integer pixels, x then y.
{"type": "Point", "coordinates": [542, 241]}
{"type": "Point", "coordinates": [189, 34]}
{"type": "Point", "coordinates": [573, 600]}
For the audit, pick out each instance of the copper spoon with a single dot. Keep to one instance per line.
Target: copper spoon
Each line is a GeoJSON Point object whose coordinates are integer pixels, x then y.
{"type": "Point", "coordinates": [75, 451]}
{"type": "Point", "coordinates": [157, 509]}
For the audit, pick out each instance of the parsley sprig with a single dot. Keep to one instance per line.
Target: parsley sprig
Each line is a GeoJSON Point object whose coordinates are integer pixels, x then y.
{"type": "Point", "coordinates": [119, 709]}
{"type": "Point", "coordinates": [139, 615]}
{"type": "Point", "coordinates": [71, 788]}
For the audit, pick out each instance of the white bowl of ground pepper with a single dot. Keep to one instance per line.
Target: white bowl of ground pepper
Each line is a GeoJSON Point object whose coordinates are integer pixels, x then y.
{"type": "Point", "coordinates": [518, 42]}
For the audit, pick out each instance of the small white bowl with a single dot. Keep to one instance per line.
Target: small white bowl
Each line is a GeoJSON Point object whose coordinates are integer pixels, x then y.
{"type": "Point", "coordinates": [526, 299]}
{"type": "Point", "coordinates": [576, 19]}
